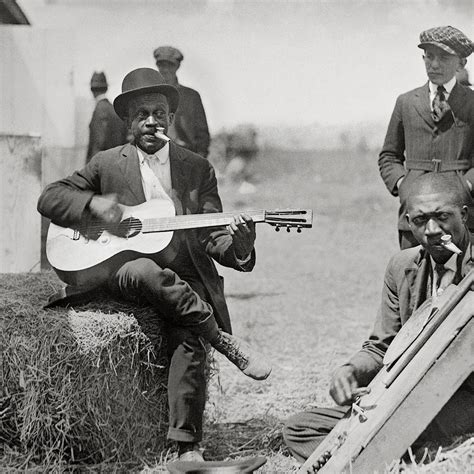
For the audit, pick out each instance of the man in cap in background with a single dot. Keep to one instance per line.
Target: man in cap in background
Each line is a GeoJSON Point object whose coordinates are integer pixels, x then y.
{"type": "Point", "coordinates": [106, 129]}
{"type": "Point", "coordinates": [189, 128]}
{"type": "Point", "coordinates": [181, 282]}
{"type": "Point", "coordinates": [432, 127]}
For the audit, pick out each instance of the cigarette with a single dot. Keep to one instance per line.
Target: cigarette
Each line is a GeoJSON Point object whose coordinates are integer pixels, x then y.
{"type": "Point", "coordinates": [447, 241]}
{"type": "Point", "coordinates": [159, 134]}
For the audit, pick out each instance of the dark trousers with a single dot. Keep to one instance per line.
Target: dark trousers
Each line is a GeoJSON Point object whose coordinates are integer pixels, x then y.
{"type": "Point", "coordinates": [304, 431]}
{"type": "Point", "coordinates": [189, 318]}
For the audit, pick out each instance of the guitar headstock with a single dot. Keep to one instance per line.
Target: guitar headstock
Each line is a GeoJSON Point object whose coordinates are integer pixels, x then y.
{"type": "Point", "coordinates": [288, 218]}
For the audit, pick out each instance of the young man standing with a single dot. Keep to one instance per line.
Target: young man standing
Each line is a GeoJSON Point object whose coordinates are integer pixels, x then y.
{"type": "Point", "coordinates": [432, 127]}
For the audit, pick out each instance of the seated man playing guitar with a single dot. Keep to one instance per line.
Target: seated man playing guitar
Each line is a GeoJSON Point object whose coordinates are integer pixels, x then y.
{"type": "Point", "coordinates": [436, 207]}
{"type": "Point", "coordinates": [181, 281]}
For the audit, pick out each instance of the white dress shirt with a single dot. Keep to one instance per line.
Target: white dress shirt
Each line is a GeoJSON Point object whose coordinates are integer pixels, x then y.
{"type": "Point", "coordinates": [156, 173]}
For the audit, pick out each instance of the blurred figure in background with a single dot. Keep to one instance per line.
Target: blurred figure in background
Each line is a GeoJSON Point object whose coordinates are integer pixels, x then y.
{"type": "Point", "coordinates": [189, 128]}
{"type": "Point", "coordinates": [106, 129]}
{"type": "Point", "coordinates": [432, 127]}
{"type": "Point", "coordinates": [240, 154]}
{"type": "Point", "coordinates": [462, 77]}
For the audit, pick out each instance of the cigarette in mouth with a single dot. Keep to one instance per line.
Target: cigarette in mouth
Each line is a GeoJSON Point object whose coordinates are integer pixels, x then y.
{"type": "Point", "coordinates": [447, 241]}
{"type": "Point", "coordinates": [159, 134]}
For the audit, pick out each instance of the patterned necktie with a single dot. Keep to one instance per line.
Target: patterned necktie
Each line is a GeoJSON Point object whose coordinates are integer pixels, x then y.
{"type": "Point", "coordinates": [440, 105]}
{"type": "Point", "coordinates": [444, 278]}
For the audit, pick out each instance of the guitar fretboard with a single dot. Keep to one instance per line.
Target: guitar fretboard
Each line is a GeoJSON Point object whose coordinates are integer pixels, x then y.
{"type": "Point", "coordinates": [195, 221]}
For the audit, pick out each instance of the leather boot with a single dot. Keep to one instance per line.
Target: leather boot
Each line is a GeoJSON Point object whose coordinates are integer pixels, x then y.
{"type": "Point", "coordinates": [251, 363]}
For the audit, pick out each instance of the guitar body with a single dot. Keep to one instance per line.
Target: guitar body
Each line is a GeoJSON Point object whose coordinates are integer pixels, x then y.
{"type": "Point", "coordinates": [79, 260]}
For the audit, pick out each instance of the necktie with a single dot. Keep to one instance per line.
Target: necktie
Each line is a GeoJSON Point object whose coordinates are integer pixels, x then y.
{"type": "Point", "coordinates": [440, 105]}
{"type": "Point", "coordinates": [444, 278]}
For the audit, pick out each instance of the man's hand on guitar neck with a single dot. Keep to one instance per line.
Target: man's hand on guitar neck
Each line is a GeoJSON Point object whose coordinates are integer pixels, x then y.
{"type": "Point", "coordinates": [106, 208]}
{"type": "Point", "coordinates": [242, 230]}
{"type": "Point", "coordinates": [344, 387]}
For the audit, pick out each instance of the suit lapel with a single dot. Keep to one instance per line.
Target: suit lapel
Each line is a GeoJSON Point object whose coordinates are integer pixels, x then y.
{"type": "Point", "coordinates": [417, 275]}
{"type": "Point", "coordinates": [467, 260]}
{"type": "Point", "coordinates": [457, 100]}
{"type": "Point", "coordinates": [422, 104]}
{"type": "Point", "coordinates": [180, 170]}
{"type": "Point", "coordinates": [130, 168]}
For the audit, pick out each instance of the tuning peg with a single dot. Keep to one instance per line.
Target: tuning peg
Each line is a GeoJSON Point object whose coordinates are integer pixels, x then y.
{"type": "Point", "coordinates": [277, 228]}
{"type": "Point", "coordinates": [298, 229]}
{"type": "Point", "coordinates": [288, 228]}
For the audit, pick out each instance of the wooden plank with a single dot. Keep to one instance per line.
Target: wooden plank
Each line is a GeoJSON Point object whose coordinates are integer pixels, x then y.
{"type": "Point", "coordinates": [420, 406]}
{"type": "Point", "coordinates": [351, 434]}
{"type": "Point", "coordinates": [20, 233]}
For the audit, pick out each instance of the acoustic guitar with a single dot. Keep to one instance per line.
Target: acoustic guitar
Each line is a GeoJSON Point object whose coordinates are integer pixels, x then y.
{"type": "Point", "coordinates": [91, 251]}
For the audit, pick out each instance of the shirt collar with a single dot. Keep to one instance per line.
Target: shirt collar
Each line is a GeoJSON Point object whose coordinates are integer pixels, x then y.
{"type": "Point", "coordinates": [162, 155]}
{"type": "Point", "coordinates": [100, 97]}
{"type": "Point", "coordinates": [451, 264]}
{"type": "Point", "coordinates": [448, 86]}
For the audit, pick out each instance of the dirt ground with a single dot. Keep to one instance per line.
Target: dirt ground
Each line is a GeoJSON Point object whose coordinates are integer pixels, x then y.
{"type": "Point", "coordinates": [312, 298]}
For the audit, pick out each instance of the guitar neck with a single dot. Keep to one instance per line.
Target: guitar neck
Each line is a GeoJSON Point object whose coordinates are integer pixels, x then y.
{"type": "Point", "coordinates": [195, 221]}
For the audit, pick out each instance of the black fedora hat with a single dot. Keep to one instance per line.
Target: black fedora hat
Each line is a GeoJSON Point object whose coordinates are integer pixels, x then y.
{"type": "Point", "coordinates": [142, 81]}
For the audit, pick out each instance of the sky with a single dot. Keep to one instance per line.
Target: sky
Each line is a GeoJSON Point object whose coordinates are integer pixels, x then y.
{"type": "Point", "coordinates": [264, 62]}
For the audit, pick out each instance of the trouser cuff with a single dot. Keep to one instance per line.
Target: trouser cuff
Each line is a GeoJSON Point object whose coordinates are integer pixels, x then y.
{"type": "Point", "coordinates": [185, 436]}
{"type": "Point", "coordinates": [207, 329]}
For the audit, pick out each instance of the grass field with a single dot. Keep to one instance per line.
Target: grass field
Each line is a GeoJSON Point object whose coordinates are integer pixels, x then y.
{"type": "Point", "coordinates": [311, 300]}
{"type": "Point", "coordinates": [312, 297]}
{"type": "Point", "coordinates": [309, 303]}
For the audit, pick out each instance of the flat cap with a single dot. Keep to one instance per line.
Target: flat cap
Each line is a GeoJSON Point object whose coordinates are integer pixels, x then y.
{"type": "Point", "coordinates": [98, 81]}
{"type": "Point", "coordinates": [449, 39]}
{"type": "Point", "coordinates": [168, 53]}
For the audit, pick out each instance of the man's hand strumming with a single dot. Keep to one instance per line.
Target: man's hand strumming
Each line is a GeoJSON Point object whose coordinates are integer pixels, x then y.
{"type": "Point", "coordinates": [106, 208]}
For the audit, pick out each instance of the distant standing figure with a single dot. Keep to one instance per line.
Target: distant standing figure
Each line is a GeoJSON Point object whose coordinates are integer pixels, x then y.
{"type": "Point", "coordinates": [462, 77]}
{"type": "Point", "coordinates": [106, 129]}
{"type": "Point", "coordinates": [432, 127]}
{"type": "Point", "coordinates": [189, 128]}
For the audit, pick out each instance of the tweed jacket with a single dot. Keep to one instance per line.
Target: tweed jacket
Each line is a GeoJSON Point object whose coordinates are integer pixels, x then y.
{"type": "Point", "coordinates": [189, 127]}
{"type": "Point", "coordinates": [106, 129]}
{"type": "Point", "coordinates": [414, 140]}
{"type": "Point", "coordinates": [194, 191]}
{"type": "Point", "coordinates": [405, 288]}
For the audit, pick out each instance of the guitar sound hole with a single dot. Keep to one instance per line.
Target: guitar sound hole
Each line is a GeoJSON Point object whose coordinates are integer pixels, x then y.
{"type": "Point", "coordinates": [129, 227]}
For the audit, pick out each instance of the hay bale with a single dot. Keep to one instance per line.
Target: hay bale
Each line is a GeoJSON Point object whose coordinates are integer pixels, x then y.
{"type": "Point", "coordinates": [456, 456]}
{"type": "Point", "coordinates": [79, 385]}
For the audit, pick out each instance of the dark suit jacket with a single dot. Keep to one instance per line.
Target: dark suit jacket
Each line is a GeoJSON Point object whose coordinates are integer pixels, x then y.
{"type": "Point", "coordinates": [406, 284]}
{"type": "Point", "coordinates": [413, 136]}
{"type": "Point", "coordinates": [189, 127]}
{"type": "Point", "coordinates": [194, 191]}
{"type": "Point", "coordinates": [106, 129]}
